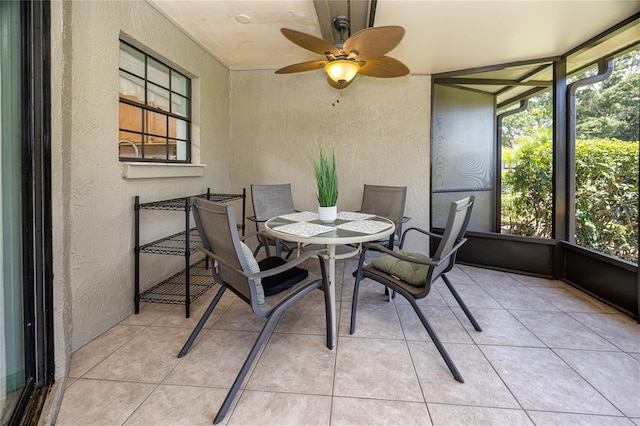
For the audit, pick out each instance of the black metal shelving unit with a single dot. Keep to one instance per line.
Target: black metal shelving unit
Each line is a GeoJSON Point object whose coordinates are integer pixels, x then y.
{"type": "Point", "coordinates": [187, 285]}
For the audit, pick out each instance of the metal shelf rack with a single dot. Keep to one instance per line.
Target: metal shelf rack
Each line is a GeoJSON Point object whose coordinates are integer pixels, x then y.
{"type": "Point", "coordinates": [187, 285]}
{"type": "Point", "coordinates": [172, 289]}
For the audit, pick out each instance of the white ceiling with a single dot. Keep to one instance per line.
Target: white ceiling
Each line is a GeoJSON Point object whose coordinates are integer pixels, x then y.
{"type": "Point", "coordinates": [441, 36]}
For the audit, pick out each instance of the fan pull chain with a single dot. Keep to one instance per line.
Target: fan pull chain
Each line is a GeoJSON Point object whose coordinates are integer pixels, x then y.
{"type": "Point", "coordinates": [337, 101]}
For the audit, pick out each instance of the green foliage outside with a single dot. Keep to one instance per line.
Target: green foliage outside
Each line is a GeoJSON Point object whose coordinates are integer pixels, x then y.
{"type": "Point", "coordinates": [607, 132]}
{"type": "Point", "coordinates": [527, 192]}
{"type": "Point", "coordinates": [610, 109]}
{"type": "Point", "coordinates": [606, 195]}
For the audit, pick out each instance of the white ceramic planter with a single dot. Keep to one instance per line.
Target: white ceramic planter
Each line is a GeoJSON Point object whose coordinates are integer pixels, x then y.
{"type": "Point", "coordinates": [328, 214]}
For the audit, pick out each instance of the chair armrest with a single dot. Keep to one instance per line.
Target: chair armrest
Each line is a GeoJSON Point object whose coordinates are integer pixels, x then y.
{"type": "Point", "coordinates": [258, 234]}
{"type": "Point", "coordinates": [420, 230]}
{"type": "Point", "coordinates": [256, 221]}
{"type": "Point", "coordinates": [269, 272]}
{"type": "Point", "coordinates": [217, 258]}
{"type": "Point", "coordinates": [249, 235]}
{"type": "Point", "coordinates": [290, 264]}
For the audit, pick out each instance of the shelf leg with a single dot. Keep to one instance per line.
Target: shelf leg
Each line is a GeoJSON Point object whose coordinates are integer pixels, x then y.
{"type": "Point", "coordinates": [136, 297]}
{"type": "Point", "coordinates": [187, 272]}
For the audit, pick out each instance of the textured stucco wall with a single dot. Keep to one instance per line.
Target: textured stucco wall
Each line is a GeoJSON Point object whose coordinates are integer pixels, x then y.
{"type": "Point", "coordinates": [60, 172]}
{"type": "Point", "coordinates": [94, 223]}
{"type": "Point", "coordinates": [379, 131]}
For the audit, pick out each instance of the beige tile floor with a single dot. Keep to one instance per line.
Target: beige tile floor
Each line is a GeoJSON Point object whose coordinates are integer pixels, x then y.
{"type": "Point", "coordinates": [547, 355]}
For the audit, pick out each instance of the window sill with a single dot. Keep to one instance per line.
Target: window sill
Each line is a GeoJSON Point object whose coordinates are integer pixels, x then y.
{"type": "Point", "coordinates": [160, 170]}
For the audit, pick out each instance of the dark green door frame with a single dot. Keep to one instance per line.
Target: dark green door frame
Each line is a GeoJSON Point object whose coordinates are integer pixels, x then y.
{"type": "Point", "coordinates": [36, 210]}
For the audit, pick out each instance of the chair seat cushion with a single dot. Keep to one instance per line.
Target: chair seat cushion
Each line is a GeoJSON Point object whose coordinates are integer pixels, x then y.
{"type": "Point", "coordinates": [411, 273]}
{"type": "Point", "coordinates": [282, 281]}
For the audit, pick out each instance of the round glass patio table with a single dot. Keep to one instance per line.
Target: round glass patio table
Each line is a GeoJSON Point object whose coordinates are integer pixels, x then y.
{"type": "Point", "coordinates": [349, 228]}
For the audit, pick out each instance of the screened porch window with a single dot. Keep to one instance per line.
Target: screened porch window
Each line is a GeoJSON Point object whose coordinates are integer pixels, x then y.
{"type": "Point", "coordinates": [606, 157]}
{"type": "Point", "coordinates": [605, 153]}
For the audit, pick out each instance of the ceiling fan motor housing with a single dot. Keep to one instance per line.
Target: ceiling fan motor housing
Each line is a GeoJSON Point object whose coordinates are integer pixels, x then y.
{"type": "Point", "coordinates": [340, 23]}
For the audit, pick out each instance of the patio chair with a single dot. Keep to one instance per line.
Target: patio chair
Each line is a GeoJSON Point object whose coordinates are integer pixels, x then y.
{"type": "Point", "coordinates": [412, 274]}
{"type": "Point", "coordinates": [386, 201]}
{"type": "Point", "coordinates": [271, 201]}
{"type": "Point", "coordinates": [269, 286]}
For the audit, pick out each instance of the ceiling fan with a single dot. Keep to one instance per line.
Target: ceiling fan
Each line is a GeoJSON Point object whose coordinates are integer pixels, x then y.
{"type": "Point", "coordinates": [363, 53]}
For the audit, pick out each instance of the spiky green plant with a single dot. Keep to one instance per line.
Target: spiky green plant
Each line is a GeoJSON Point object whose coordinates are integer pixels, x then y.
{"type": "Point", "coordinates": [324, 167]}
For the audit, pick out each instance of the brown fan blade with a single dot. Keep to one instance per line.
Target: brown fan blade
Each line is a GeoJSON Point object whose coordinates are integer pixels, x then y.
{"type": "Point", "coordinates": [302, 66]}
{"type": "Point", "coordinates": [309, 42]}
{"type": "Point", "coordinates": [384, 67]}
{"type": "Point", "coordinates": [374, 42]}
{"type": "Point", "coordinates": [337, 85]}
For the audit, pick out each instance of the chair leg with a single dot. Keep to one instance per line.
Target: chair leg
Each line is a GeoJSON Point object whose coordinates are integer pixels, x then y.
{"type": "Point", "coordinates": [245, 368]}
{"type": "Point", "coordinates": [201, 323]}
{"type": "Point", "coordinates": [262, 242]}
{"type": "Point", "coordinates": [354, 304]}
{"type": "Point", "coordinates": [436, 341]}
{"type": "Point", "coordinates": [329, 317]}
{"type": "Point", "coordinates": [389, 297]}
{"type": "Point", "coordinates": [461, 303]}
{"type": "Point", "coordinates": [289, 250]}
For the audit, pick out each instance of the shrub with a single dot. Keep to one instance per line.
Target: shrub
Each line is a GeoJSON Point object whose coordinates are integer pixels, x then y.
{"type": "Point", "coordinates": [606, 195]}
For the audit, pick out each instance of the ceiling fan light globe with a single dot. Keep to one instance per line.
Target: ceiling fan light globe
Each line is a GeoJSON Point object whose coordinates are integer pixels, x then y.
{"type": "Point", "coordinates": [342, 71]}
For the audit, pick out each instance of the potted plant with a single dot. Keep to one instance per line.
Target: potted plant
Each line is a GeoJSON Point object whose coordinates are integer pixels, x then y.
{"type": "Point", "coordinates": [324, 167]}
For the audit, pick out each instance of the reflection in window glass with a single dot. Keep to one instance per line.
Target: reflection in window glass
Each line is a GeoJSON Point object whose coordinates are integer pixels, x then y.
{"type": "Point", "coordinates": [131, 88]}
{"type": "Point", "coordinates": [156, 123]}
{"type": "Point", "coordinates": [179, 105]}
{"type": "Point", "coordinates": [178, 128]}
{"type": "Point", "coordinates": [158, 97]}
{"type": "Point", "coordinates": [158, 72]}
{"type": "Point", "coordinates": [181, 150]}
{"type": "Point", "coordinates": [131, 60]}
{"type": "Point", "coordinates": [130, 117]}
{"type": "Point", "coordinates": [179, 83]}
{"type": "Point", "coordinates": [128, 144]}
{"type": "Point", "coordinates": [15, 349]}
{"type": "Point", "coordinates": [155, 147]}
